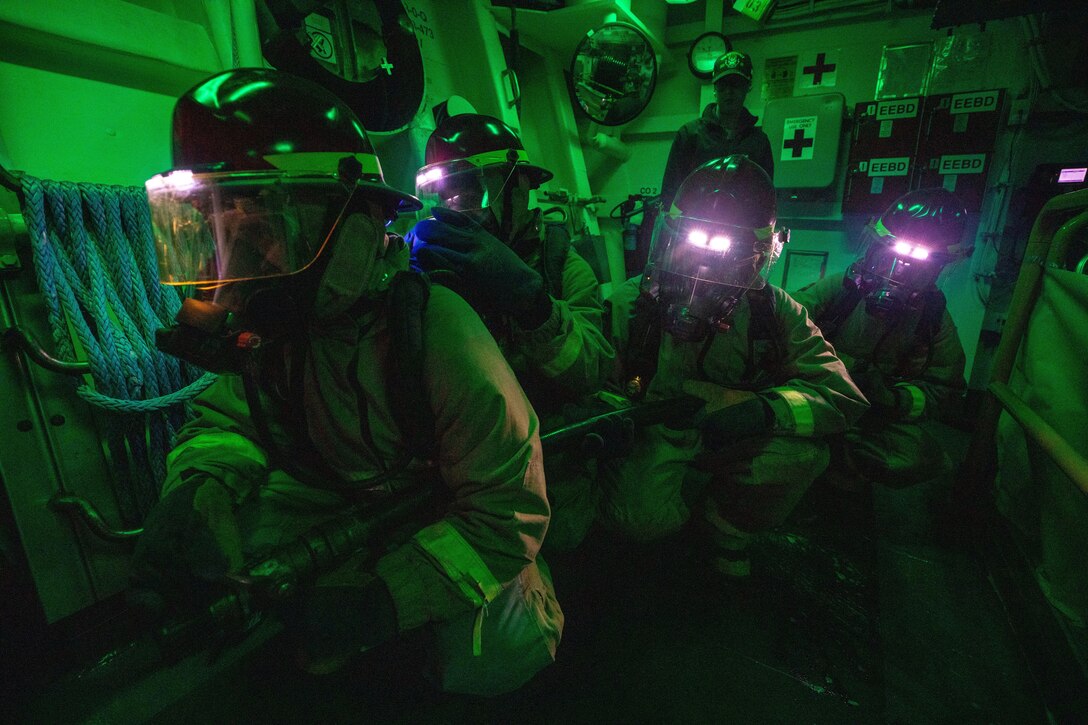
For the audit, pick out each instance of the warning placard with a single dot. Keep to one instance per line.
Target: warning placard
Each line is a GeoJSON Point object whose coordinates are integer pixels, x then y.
{"type": "Point", "coordinates": [897, 166]}
{"type": "Point", "coordinates": [778, 77]}
{"type": "Point", "coordinates": [755, 9]}
{"type": "Point", "coordinates": [319, 31]}
{"type": "Point", "coordinates": [798, 138]}
{"type": "Point", "coordinates": [975, 102]}
{"type": "Point", "coordinates": [961, 164]}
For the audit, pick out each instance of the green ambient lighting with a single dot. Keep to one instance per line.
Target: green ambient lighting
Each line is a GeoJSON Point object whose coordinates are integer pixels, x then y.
{"type": "Point", "coordinates": [247, 89]}
{"type": "Point", "coordinates": [208, 93]}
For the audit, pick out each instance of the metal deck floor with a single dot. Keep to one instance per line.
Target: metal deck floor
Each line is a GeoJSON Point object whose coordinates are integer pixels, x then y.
{"type": "Point", "coordinates": [855, 615]}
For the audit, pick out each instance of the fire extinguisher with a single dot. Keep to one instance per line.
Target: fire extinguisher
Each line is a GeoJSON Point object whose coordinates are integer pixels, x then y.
{"type": "Point", "coordinates": [629, 230]}
{"type": "Point", "coordinates": [636, 235]}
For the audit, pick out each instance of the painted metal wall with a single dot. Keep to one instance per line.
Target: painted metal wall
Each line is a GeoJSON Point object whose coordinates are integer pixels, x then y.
{"type": "Point", "coordinates": [88, 93]}
{"type": "Point", "coordinates": [999, 59]}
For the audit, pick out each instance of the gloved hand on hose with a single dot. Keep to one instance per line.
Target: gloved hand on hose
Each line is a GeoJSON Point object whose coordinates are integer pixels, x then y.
{"type": "Point", "coordinates": [349, 610]}
{"type": "Point", "coordinates": [192, 533]}
{"type": "Point", "coordinates": [874, 384]}
{"type": "Point", "coordinates": [492, 273]}
{"type": "Point", "coordinates": [729, 415]}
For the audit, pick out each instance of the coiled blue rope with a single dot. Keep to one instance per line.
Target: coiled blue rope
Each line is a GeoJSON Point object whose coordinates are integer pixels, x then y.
{"type": "Point", "coordinates": [94, 257]}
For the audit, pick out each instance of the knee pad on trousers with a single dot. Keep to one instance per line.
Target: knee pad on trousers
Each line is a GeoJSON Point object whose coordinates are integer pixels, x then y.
{"type": "Point", "coordinates": [762, 495]}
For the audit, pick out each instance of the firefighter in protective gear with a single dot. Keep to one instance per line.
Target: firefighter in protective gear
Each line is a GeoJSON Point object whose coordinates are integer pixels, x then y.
{"type": "Point", "coordinates": [702, 321]}
{"type": "Point", "coordinates": [277, 209]}
{"type": "Point", "coordinates": [540, 299]}
{"type": "Point", "coordinates": [888, 322]}
{"type": "Point", "coordinates": [726, 127]}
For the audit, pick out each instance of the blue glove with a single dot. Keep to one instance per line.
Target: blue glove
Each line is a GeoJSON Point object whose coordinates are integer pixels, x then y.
{"type": "Point", "coordinates": [493, 275]}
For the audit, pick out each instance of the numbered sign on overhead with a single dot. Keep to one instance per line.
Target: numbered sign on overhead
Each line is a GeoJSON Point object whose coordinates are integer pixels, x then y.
{"type": "Point", "coordinates": [755, 9]}
{"type": "Point", "coordinates": [319, 32]}
{"type": "Point", "coordinates": [366, 52]}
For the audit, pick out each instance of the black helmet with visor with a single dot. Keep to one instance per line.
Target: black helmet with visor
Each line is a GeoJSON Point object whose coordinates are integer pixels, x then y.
{"type": "Point", "coordinates": [470, 160]}
{"type": "Point", "coordinates": [266, 164]}
{"type": "Point", "coordinates": [907, 247]}
{"type": "Point", "coordinates": [712, 245]}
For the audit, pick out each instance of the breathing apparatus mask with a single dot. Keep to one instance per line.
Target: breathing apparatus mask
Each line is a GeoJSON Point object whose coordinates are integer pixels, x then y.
{"type": "Point", "coordinates": [699, 269]}
{"type": "Point", "coordinates": [268, 221]}
{"type": "Point", "coordinates": [255, 253]}
{"type": "Point", "coordinates": [700, 263]}
{"type": "Point", "coordinates": [476, 165]}
{"type": "Point", "coordinates": [490, 189]}
{"type": "Point", "coordinates": [894, 274]}
{"type": "Point", "coordinates": [906, 249]}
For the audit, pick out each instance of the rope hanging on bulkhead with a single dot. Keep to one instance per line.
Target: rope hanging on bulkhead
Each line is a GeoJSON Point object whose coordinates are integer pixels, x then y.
{"type": "Point", "coordinates": [94, 257]}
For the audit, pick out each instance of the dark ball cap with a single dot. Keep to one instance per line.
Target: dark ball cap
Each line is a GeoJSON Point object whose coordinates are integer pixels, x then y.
{"type": "Point", "coordinates": [467, 135]}
{"type": "Point", "coordinates": [732, 190]}
{"type": "Point", "coordinates": [733, 63]}
{"type": "Point", "coordinates": [261, 119]}
{"type": "Point", "coordinates": [933, 216]}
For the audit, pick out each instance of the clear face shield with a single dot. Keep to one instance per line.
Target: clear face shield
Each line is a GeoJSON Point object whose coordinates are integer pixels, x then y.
{"type": "Point", "coordinates": [491, 188]}
{"type": "Point", "coordinates": [219, 228]}
{"type": "Point", "coordinates": [895, 272]}
{"type": "Point", "coordinates": [463, 187]}
{"type": "Point", "coordinates": [699, 269]}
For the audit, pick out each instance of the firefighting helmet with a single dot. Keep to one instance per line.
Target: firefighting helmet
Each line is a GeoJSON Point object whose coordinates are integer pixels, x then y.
{"type": "Point", "coordinates": [908, 246]}
{"type": "Point", "coordinates": [469, 160]}
{"type": "Point", "coordinates": [713, 244]}
{"type": "Point", "coordinates": [265, 166]}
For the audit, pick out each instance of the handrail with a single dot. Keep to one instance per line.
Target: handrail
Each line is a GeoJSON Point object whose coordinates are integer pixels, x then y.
{"type": "Point", "coordinates": [1050, 232]}
{"type": "Point", "coordinates": [82, 509]}
{"type": "Point", "coordinates": [19, 339]}
{"type": "Point", "coordinates": [1049, 236]}
{"type": "Point", "coordinates": [1072, 463]}
{"type": "Point", "coordinates": [10, 180]}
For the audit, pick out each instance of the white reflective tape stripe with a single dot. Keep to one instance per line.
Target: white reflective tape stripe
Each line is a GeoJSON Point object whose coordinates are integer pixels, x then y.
{"type": "Point", "coordinates": [462, 565]}
{"type": "Point", "coordinates": [564, 358]}
{"type": "Point", "coordinates": [325, 161]}
{"type": "Point", "coordinates": [803, 421]}
{"type": "Point", "coordinates": [445, 545]}
{"type": "Point", "coordinates": [917, 400]}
